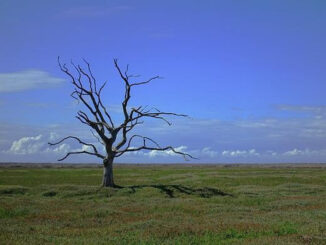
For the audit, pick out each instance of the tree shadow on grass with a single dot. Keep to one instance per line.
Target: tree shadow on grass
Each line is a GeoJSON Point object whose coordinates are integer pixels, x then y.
{"type": "Point", "coordinates": [171, 190]}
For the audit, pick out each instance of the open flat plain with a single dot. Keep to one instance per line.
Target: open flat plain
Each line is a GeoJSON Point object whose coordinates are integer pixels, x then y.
{"type": "Point", "coordinates": [163, 204]}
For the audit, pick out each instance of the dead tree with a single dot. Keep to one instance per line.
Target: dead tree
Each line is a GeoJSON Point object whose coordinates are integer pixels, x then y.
{"type": "Point", "coordinates": [116, 139]}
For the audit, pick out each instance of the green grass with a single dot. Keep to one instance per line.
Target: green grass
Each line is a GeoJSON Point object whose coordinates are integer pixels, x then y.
{"type": "Point", "coordinates": [164, 205]}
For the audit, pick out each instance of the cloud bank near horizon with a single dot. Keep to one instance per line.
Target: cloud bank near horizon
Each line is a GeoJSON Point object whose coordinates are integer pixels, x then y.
{"type": "Point", "coordinates": [267, 140]}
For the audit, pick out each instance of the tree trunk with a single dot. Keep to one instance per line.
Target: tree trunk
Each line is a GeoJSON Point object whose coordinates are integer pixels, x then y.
{"type": "Point", "coordinates": [107, 180]}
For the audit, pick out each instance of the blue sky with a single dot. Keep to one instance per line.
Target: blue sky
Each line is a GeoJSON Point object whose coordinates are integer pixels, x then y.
{"type": "Point", "coordinates": [251, 74]}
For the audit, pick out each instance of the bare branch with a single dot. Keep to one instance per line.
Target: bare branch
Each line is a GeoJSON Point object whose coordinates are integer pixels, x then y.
{"type": "Point", "coordinates": [115, 61]}
{"type": "Point", "coordinates": [158, 115]}
{"type": "Point", "coordinates": [185, 155]}
{"type": "Point", "coordinates": [75, 138]}
{"type": "Point", "coordinates": [126, 72]}
{"type": "Point", "coordinates": [98, 139]}
{"type": "Point", "coordinates": [148, 81]}
{"type": "Point", "coordinates": [95, 153]}
{"type": "Point", "coordinates": [73, 95]}
{"type": "Point", "coordinates": [91, 74]}
{"type": "Point", "coordinates": [145, 146]}
{"type": "Point", "coordinates": [98, 94]}
{"type": "Point", "coordinates": [81, 152]}
{"type": "Point", "coordinates": [88, 77]}
{"type": "Point", "coordinates": [144, 138]}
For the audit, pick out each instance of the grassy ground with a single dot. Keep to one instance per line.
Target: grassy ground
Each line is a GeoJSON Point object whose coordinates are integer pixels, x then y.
{"type": "Point", "coordinates": [164, 205]}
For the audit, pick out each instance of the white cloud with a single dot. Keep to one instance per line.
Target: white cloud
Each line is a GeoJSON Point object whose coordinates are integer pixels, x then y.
{"type": "Point", "coordinates": [307, 152]}
{"type": "Point", "coordinates": [39, 144]}
{"type": "Point", "coordinates": [240, 153]}
{"type": "Point", "coordinates": [53, 136]}
{"type": "Point", "coordinates": [62, 149]}
{"type": "Point", "coordinates": [293, 152]}
{"type": "Point", "coordinates": [155, 153]}
{"type": "Point", "coordinates": [24, 144]}
{"type": "Point", "coordinates": [85, 148]}
{"type": "Point", "coordinates": [27, 145]}
{"type": "Point", "coordinates": [28, 79]}
{"type": "Point", "coordinates": [253, 152]}
{"type": "Point", "coordinates": [270, 152]}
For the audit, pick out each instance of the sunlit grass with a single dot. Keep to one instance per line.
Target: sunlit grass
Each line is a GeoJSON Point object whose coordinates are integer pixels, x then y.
{"type": "Point", "coordinates": [164, 205]}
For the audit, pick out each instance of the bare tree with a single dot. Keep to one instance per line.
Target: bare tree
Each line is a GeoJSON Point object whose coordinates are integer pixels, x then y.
{"type": "Point", "coordinates": [116, 139]}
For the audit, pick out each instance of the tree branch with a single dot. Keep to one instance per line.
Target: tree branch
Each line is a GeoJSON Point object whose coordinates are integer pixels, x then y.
{"type": "Point", "coordinates": [148, 81]}
{"type": "Point", "coordinates": [81, 152]}
{"type": "Point", "coordinates": [75, 138]}
{"type": "Point", "coordinates": [157, 147]}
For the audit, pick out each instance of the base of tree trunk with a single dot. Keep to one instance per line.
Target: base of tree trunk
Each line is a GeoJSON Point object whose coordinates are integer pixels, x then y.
{"type": "Point", "coordinates": [107, 180]}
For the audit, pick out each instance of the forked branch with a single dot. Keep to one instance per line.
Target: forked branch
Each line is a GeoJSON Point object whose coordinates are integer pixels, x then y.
{"type": "Point", "coordinates": [86, 91]}
{"type": "Point", "coordinates": [81, 152]}
{"type": "Point", "coordinates": [94, 153]}
{"type": "Point", "coordinates": [156, 147]}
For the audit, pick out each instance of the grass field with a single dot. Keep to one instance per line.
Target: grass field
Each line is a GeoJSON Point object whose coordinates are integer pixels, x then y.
{"type": "Point", "coordinates": [164, 205]}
